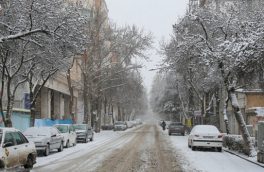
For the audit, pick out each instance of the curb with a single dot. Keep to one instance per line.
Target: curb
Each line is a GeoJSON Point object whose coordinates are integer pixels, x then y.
{"type": "Point", "coordinates": [240, 156]}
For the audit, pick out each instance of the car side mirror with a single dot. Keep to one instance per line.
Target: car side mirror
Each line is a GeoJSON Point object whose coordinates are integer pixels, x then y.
{"type": "Point", "coordinates": [54, 135]}
{"type": "Point", "coordinates": [8, 144]}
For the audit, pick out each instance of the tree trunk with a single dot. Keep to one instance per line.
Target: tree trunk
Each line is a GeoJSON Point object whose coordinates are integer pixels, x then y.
{"type": "Point", "coordinates": [10, 103]}
{"type": "Point", "coordinates": [225, 117]}
{"type": "Point", "coordinates": [32, 109]}
{"type": "Point", "coordinates": [1, 95]}
{"type": "Point", "coordinates": [32, 103]}
{"type": "Point", "coordinates": [71, 94]}
{"type": "Point", "coordinates": [99, 114]}
{"type": "Point", "coordinates": [85, 100]}
{"type": "Point", "coordinates": [105, 110]}
{"type": "Point", "coordinates": [239, 117]}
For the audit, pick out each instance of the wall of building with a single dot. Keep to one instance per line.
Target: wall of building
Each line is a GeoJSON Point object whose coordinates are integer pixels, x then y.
{"type": "Point", "coordinates": [254, 100]}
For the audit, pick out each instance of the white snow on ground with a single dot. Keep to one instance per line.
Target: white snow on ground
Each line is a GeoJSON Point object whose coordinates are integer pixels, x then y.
{"type": "Point", "coordinates": [209, 160]}
{"type": "Point", "coordinates": [202, 161]}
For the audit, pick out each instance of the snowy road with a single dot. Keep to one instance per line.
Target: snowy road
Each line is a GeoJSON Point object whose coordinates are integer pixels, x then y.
{"type": "Point", "coordinates": [145, 148]}
{"type": "Point", "coordinates": [139, 149]}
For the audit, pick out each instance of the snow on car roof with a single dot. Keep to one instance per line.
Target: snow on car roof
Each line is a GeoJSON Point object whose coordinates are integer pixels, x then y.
{"type": "Point", "coordinates": [37, 131]}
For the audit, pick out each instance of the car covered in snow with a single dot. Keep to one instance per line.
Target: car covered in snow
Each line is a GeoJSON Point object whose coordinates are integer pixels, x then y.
{"type": "Point", "coordinates": [69, 134]}
{"type": "Point", "coordinates": [16, 150]}
{"type": "Point", "coordinates": [45, 138]}
{"type": "Point", "coordinates": [176, 128]}
{"type": "Point", "coordinates": [205, 136]}
{"type": "Point", "coordinates": [84, 132]}
{"type": "Point", "coordinates": [120, 126]}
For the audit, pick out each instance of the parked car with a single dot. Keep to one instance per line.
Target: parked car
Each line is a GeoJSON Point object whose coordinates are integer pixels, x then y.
{"type": "Point", "coordinates": [176, 128]}
{"type": "Point", "coordinates": [16, 150]}
{"type": "Point", "coordinates": [139, 121]}
{"type": "Point", "coordinates": [45, 139]}
{"type": "Point", "coordinates": [129, 124]}
{"type": "Point", "coordinates": [84, 132]}
{"type": "Point", "coordinates": [69, 134]}
{"type": "Point", "coordinates": [120, 126]}
{"type": "Point", "coordinates": [206, 136]}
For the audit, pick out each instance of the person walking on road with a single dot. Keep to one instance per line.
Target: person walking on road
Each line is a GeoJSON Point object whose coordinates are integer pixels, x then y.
{"type": "Point", "coordinates": [163, 124]}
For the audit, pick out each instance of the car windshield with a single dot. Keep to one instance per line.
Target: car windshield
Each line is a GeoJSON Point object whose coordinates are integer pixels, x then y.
{"type": "Point", "coordinates": [80, 127]}
{"type": "Point", "coordinates": [37, 132]}
{"type": "Point", "coordinates": [62, 128]}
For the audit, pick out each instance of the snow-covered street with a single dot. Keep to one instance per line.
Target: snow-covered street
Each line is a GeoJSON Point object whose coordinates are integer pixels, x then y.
{"type": "Point", "coordinates": [144, 148]}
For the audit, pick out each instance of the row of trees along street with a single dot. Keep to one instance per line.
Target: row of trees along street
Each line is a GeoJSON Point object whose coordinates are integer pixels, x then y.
{"type": "Point", "coordinates": [212, 52]}
{"type": "Point", "coordinates": [39, 39]}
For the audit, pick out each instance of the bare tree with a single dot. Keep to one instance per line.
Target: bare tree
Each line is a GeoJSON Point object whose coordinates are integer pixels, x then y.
{"type": "Point", "coordinates": [46, 35]}
{"type": "Point", "coordinates": [227, 43]}
{"type": "Point", "coordinates": [110, 46]}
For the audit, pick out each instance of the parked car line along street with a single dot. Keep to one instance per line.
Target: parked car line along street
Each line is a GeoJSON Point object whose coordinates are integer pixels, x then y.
{"type": "Point", "coordinates": [122, 149]}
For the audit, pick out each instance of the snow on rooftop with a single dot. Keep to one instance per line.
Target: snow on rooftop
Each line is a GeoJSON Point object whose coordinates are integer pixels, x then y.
{"type": "Point", "coordinates": [258, 110]}
{"type": "Point", "coordinates": [241, 90]}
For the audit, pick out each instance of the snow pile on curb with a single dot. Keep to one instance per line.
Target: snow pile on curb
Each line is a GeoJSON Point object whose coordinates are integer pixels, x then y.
{"type": "Point", "coordinates": [236, 143]}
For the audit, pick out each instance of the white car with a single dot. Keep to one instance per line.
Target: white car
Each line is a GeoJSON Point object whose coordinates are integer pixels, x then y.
{"type": "Point", "coordinates": [120, 125]}
{"type": "Point", "coordinates": [45, 139]}
{"type": "Point", "coordinates": [207, 136]}
{"type": "Point", "coordinates": [69, 134]}
{"type": "Point", "coordinates": [16, 150]}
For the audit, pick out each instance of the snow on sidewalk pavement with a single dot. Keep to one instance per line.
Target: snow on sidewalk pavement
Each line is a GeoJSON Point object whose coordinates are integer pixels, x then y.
{"type": "Point", "coordinates": [210, 161]}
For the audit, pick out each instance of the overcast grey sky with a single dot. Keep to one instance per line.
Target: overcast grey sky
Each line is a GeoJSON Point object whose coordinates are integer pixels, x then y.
{"type": "Point", "coordinates": [156, 16]}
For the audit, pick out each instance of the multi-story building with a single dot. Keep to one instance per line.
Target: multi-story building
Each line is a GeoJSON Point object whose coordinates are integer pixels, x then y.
{"type": "Point", "coordinates": [55, 96]}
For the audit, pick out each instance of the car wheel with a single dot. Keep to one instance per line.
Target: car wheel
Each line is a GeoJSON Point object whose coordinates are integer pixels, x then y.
{"type": "Point", "coordinates": [91, 139]}
{"type": "Point", "coordinates": [47, 151]}
{"type": "Point", "coordinates": [75, 142]}
{"type": "Point", "coordinates": [193, 148]}
{"type": "Point", "coordinates": [67, 144]}
{"type": "Point", "coordinates": [2, 165]}
{"type": "Point", "coordinates": [219, 149]}
{"type": "Point", "coordinates": [169, 134]}
{"type": "Point", "coordinates": [29, 163]}
{"type": "Point", "coordinates": [86, 139]}
{"type": "Point", "coordinates": [183, 134]}
{"type": "Point", "coordinates": [61, 147]}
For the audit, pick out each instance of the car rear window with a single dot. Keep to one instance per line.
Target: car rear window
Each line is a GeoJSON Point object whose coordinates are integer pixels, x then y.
{"type": "Point", "coordinates": [206, 128]}
{"type": "Point", "coordinates": [176, 123]}
{"type": "Point", "coordinates": [80, 127]}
